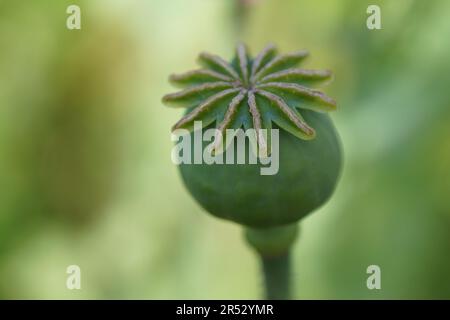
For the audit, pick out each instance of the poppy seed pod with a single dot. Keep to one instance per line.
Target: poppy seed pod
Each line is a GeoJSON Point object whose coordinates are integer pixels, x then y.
{"type": "Point", "coordinates": [288, 128]}
{"type": "Point", "coordinates": [265, 93]}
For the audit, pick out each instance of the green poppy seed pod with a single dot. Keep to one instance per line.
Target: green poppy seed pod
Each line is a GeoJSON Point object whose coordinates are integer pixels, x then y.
{"type": "Point", "coordinates": [286, 127]}
{"type": "Point", "coordinates": [267, 92]}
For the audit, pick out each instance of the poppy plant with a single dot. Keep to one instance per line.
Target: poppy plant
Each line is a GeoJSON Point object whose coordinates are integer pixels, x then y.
{"type": "Point", "coordinates": [265, 93]}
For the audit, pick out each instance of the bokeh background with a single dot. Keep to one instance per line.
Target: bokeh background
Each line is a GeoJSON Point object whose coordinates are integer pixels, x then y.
{"type": "Point", "coordinates": [85, 170]}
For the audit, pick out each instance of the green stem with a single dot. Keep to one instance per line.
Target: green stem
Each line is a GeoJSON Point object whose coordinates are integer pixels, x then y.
{"type": "Point", "coordinates": [239, 15]}
{"type": "Point", "coordinates": [277, 276]}
{"type": "Point", "coordinates": [273, 246]}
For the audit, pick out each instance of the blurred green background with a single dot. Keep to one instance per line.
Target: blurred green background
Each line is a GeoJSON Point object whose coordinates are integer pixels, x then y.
{"type": "Point", "coordinates": [85, 170]}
